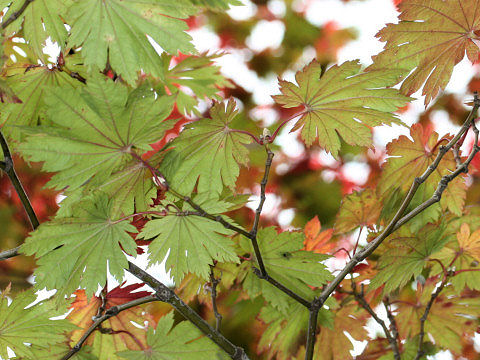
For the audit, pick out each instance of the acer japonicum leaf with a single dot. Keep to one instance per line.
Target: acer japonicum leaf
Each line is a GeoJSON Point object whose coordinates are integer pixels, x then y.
{"type": "Point", "coordinates": [408, 159]}
{"type": "Point", "coordinates": [192, 242]}
{"type": "Point", "coordinates": [179, 342]}
{"type": "Point", "coordinates": [283, 335]}
{"type": "Point", "coordinates": [216, 4]}
{"type": "Point", "coordinates": [209, 151]}
{"type": "Point", "coordinates": [83, 245]}
{"type": "Point", "coordinates": [451, 316]}
{"type": "Point", "coordinates": [30, 85]}
{"type": "Point", "coordinates": [115, 32]}
{"type": "Point", "coordinates": [315, 240]}
{"type": "Point", "coordinates": [94, 130]}
{"type": "Point", "coordinates": [405, 254]}
{"type": "Point", "coordinates": [358, 209]}
{"type": "Point", "coordinates": [343, 102]}
{"type": "Point", "coordinates": [118, 333]}
{"type": "Point", "coordinates": [463, 253]}
{"type": "Point", "coordinates": [431, 38]}
{"type": "Point", "coordinates": [287, 263]}
{"type": "Point", "coordinates": [19, 324]}
{"type": "Point", "coordinates": [40, 20]}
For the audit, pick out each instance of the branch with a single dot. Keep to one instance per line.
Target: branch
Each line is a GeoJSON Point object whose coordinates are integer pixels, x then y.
{"type": "Point", "coordinates": [420, 351]}
{"type": "Point", "coordinates": [391, 318]}
{"type": "Point", "coordinates": [215, 281]}
{"type": "Point", "coordinates": [167, 295]}
{"type": "Point", "coordinates": [398, 220]}
{"type": "Point", "coordinates": [8, 168]}
{"type": "Point", "coordinates": [7, 254]}
{"type": "Point", "coordinates": [16, 14]}
{"type": "Point", "coordinates": [98, 320]}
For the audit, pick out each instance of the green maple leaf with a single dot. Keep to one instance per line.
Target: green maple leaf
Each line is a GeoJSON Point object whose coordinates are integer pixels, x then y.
{"type": "Point", "coordinates": [407, 254]}
{"type": "Point", "coordinates": [287, 263]}
{"type": "Point", "coordinates": [32, 325]}
{"type": "Point", "coordinates": [282, 335]}
{"type": "Point", "coordinates": [358, 209]}
{"type": "Point", "coordinates": [74, 251]}
{"type": "Point", "coordinates": [216, 4]}
{"type": "Point", "coordinates": [40, 20]}
{"type": "Point", "coordinates": [115, 32]}
{"type": "Point", "coordinates": [184, 341]}
{"type": "Point", "coordinates": [95, 130]}
{"type": "Point", "coordinates": [196, 73]}
{"type": "Point", "coordinates": [30, 86]}
{"type": "Point", "coordinates": [432, 37]}
{"type": "Point", "coordinates": [207, 151]}
{"type": "Point", "coordinates": [342, 102]}
{"type": "Point", "coordinates": [192, 242]}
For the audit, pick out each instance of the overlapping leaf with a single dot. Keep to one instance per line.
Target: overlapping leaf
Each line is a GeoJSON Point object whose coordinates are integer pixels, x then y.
{"type": "Point", "coordinates": [30, 85]}
{"type": "Point", "coordinates": [409, 159]}
{"type": "Point", "coordinates": [316, 240]}
{"type": "Point", "coordinates": [19, 325]}
{"type": "Point", "coordinates": [207, 150]}
{"type": "Point", "coordinates": [184, 341]}
{"type": "Point", "coordinates": [358, 209]}
{"type": "Point", "coordinates": [95, 130]}
{"type": "Point", "coordinates": [407, 254]}
{"type": "Point", "coordinates": [123, 334]}
{"type": "Point", "coordinates": [432, 37]}
{"type": "Point", "coordinates": [115, 32]}
{"type": "Point", "coordinates": [192, 242]}
{"type": "Point", "coordinates": [40, 20]}
{"type": "Point", "coordinates": [343, 102]}
{"type": "Point", "coordinates": [74, 251]}
{"type": "Point", "coordinates": [287, 263]}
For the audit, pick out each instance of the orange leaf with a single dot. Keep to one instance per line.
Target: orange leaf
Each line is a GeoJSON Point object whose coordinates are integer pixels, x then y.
{"type": "Point", "coordinates": [316, 241]}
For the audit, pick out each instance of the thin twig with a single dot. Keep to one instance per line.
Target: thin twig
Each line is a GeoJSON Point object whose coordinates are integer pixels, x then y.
{"type": "Point", "coordinates": [7, 254]}
{"type": "Point", "coordinates": [8, 167]}
{"type": "Point", "coordinates": [423, 319]}
{"type": "Point", "coordinates": [113, 311]}
{"type": "Point", "coordinates": [16, 14]}
{"type": "Point", "coordinates": [391, 318]}
{"type": "Point", "coordinates": [167, 295]}
{"type": "Point", "coordinates": [215, 281]}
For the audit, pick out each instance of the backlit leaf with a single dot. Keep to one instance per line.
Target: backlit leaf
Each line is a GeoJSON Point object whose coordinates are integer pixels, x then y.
{"type": "Point", "coordinates": [343, 102]}
{"type": "Point", "coordinates": [357, 210]}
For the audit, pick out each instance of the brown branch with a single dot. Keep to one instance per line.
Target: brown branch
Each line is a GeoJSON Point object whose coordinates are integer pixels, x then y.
{"type": "Point", "coordinates": [215, 281]}
{"type": "Point", "coordinates": [423, 319]}
{"type": "Point", "coordinates": [98, 320]}
{"type": "Point", "coordinates": [393, 323]}
{"type": "Point", "coordinates": [167, 295]}
{"type": "Point", "coordinates": [16, 14]}
{"type": "Point", "coordinates": [398, 220]}
{"type": "Point", "coordinates": [8, 167]}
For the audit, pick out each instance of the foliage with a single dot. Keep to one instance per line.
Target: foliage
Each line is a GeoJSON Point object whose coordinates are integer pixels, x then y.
{"type": "Point", "coordinates": [139, 151]}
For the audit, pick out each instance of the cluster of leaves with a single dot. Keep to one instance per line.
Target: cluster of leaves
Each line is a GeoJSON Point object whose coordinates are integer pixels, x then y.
{"type": "Point", "coordinates": [141, 168]}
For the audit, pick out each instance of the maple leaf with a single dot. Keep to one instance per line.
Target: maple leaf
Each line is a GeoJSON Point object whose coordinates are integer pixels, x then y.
{"type": "Point", "coordinates": [409, 159]}
{"type": "Point", "coordinates": [83, 244]}
{"type": "Point", "coordinates": [192, 242]}
{"type": "Point", "coordinates": [207, 151]}
{"type": "Point", "coordinates": [316, 241]}
{"type": "Point", "coordinates": [342, 102]}
{"type": "Point", "coordinates": [118, 333]}
{"type": "Point", "coordinates": [432, 37]}
{"type": "Point", "coordinates": [216, 4]}
{"type": "Point", "coordinates": [19, 325]}
{"type": "Point", "coordinates": [176, 343]}
{"type": "Point", "coordinates": [463, 253]}
{"type": "Point", "coordinates": [105, 124]}
{"type": "Point", "coordinates": [357, 210]}
{"type": "Point", "coordinates": [283, 335]}
{"type": "Point", "coordinates": [194, 74]}
{"type": "Point", "coordinates": [332, 343]}
{"type": "Point", "coordinates": [449, 318]}
{"type": "Point", "coordinates": [30, 85]}
{"type": "Point", "coordinates": [287, 263]}
{"type": "Point", "coordinates": [115, 32]}
{"type": "Point", "coordinates": [40, 20]}
{"type": "Point", "coordinates": [407, 254]}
